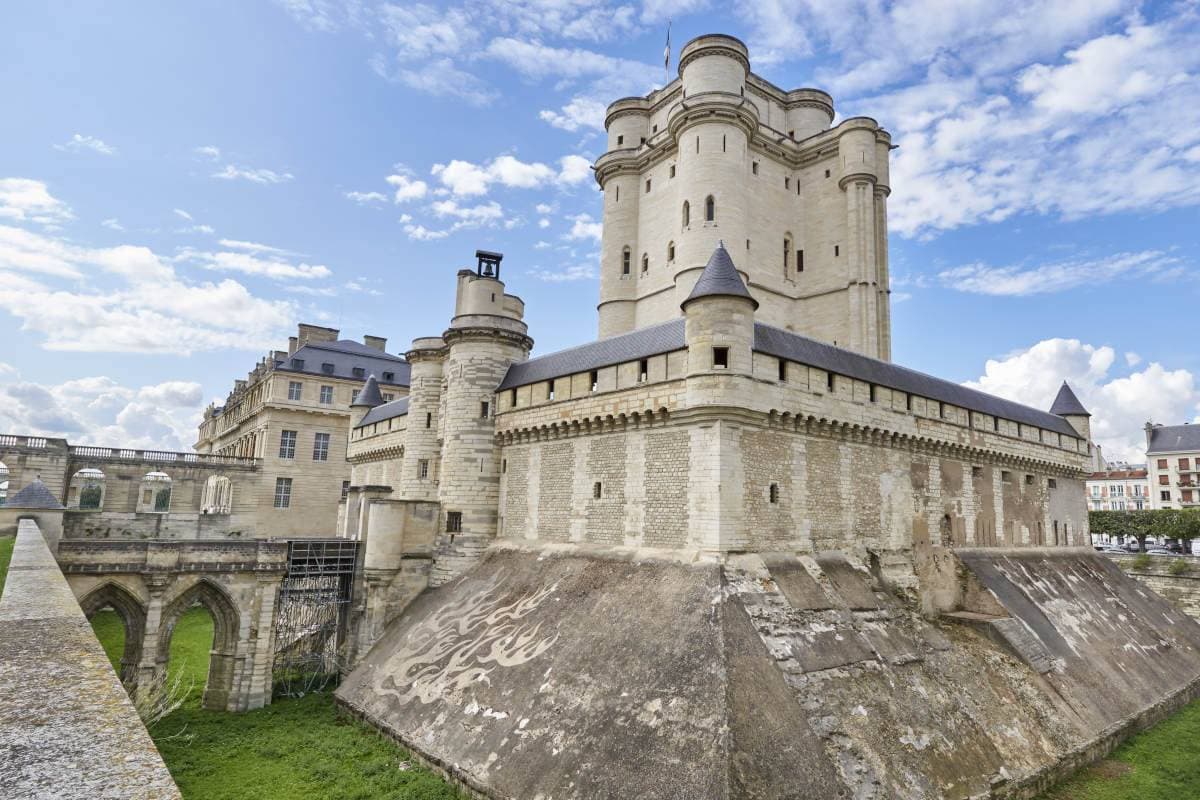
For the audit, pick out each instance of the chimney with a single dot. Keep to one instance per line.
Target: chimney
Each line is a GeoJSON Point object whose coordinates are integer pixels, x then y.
{"type": "Point", "coordinates": [316, 333]}
{"type": "Point", "coordinates": [1149, 434]}
{"type": "Point", "coordinates": [377, 342]}
{"type": "Point", "coordinates": [293, 345]}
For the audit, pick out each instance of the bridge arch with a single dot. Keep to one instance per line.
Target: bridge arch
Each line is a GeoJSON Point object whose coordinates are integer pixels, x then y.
{"type": "Point", "coordinates": [133, 617]}
{"type": "Point", "coordinates": [222, 663]}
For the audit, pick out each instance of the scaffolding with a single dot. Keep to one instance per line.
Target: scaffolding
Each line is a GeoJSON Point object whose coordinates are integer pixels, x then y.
{"type": "Point", "coordinates": [314, 604]}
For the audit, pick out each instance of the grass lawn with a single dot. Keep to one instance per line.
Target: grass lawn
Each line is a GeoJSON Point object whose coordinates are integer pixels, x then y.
{"type": "Point", "coordinates": [1160, 764]}
{"type": "Point", "coordinates": [6, 548]}
{"type": "Point", "coordinates": [292, 749]}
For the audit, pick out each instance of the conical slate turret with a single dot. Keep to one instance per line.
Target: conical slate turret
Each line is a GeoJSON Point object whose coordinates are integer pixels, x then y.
{"type": "Point", "coordinates": [720, 278]}
{"type": "Point", "coordinates": [1066, 404]}
{"type": "Point", "coordinates": [370, 395]}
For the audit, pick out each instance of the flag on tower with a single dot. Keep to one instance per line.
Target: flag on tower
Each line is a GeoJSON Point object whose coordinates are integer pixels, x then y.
{"type": "Point", "coordinates": [667, 53]}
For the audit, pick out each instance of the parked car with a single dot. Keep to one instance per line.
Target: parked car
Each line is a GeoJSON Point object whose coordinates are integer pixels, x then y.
{"type": "Point", "coordinates": [1158, 551]}
{"type": "Point", "coordinates": [1114, 551]}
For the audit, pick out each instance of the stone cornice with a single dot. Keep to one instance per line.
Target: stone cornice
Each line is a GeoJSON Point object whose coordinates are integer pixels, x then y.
{"type": "Point", "coordinates": [472, 332]}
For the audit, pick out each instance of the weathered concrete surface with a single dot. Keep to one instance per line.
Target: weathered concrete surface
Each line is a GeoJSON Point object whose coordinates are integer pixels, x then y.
{"type": "Point", "coordinates": [67, 727]}
{"type": "Point", "coordinates": [572, 675]}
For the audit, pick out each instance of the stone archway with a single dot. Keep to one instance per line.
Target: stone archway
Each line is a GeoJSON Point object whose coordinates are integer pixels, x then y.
{"type": "Point", "coordinates": [219, 688]}
{"type": "Point", "coordinates": [133, 617]}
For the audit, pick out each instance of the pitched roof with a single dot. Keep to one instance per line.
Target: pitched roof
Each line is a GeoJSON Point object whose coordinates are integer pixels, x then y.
{"type": "Point", "coordinates": [396, 408]}
{"type": "Point", "coordinates": [1067, 404]}
{"type": "Point", "coordinates": [720, 278]}
{"type": "Point", "coordinates": [35, 495]}
{"type": "Point", "coordinates": [345, 355]}
{"type": "Point", "coordinates": [1174, 439]}
{"type": "Point", "coordinates": [669, 336]}
{"type": "Point", "coordinates": [370, 395]}
{"type": "Point", "coordinates": [641, 343]}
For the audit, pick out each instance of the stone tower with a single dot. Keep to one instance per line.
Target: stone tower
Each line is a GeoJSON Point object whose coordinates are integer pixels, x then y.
{"type": "Point", "coordinates": [721, 154]}
{"type": "Point", "coordinates": [486, 335]}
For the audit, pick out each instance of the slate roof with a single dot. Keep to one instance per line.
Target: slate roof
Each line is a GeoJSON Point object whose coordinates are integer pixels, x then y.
{"type": "Point", "coordinates": [1174, 439]}
{"type": "Point", "coordinates": [720, 278]}
{"type": "Point", "coordinates": [642, 343]}
{"type": "Point", "coordinates": [35, 495]}
{"type": "Point", "coordinates": [1067, 404]}
{"type": "Point", "coordinates": [669, 336]}
{"type": "Point", "coordinates": [370, 395]}
{"type": "Point", "coordinates": [396, 408]}
{"type": "Point", "coordinates": [345, 355]}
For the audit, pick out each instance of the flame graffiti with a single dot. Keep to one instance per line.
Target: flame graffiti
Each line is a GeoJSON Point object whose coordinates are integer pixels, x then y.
{"type": "Point", "coordinates": [462, 643]}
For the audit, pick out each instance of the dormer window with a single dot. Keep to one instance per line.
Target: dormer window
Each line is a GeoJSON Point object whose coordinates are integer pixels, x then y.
{"type": "Point", "coordinates": [297, 363]}
{"type": "Point", "coordinates": [390, 377]}
{"type": "Point", "coordinates": [359, 372]}
{"type": "Point", "coordinates": [327, 368]}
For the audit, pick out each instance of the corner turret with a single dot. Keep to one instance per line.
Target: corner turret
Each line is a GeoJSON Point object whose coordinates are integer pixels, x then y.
{"type": "Point", "coordinates": [720, 319]}
{"type": "Point", "coordinates": [1067, 406]}
{"type": "Point", "coordinates": [368, 397]}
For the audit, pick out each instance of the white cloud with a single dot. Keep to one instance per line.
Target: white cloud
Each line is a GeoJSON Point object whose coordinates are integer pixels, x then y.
{"type": "Point", "coordinates": [541, 245]}
{"type": "Point", "coordinates": [406, 188]}
{"type": "Point", "coordinates": [113, 224]}
{"type": "Point", "coordinates": [254, 247]}
{"type": "Point", "coordinates": [79, 143]}
{"type": "Point", "coordinates": [472, 215]}
{"type": "Point", "coordinates": [465, 179]}
{"type": "Point", "coordinates": [423, 234]}
{"type": "Point", "coordinates": [419, 31]}
{"type": "Point", "coordinates": [577, 272]}
{"type": "Point", "coordinates": [574, 170]}
{"type": "Point", "coordinates": [208, 151]}
{"type": "Point", "coordinates": [1120, 404]}
{"type": "Point", "coordinates": [100, 411]}
{"type": "Point", "coordinates": [543, 223]}
{"type": "Point", "coordinates": [584, 227]}
{"type": "Point", "coordinates": [1132, 359]}
{"type": "Point", "coordinates": [7, 369]}
{"type": "Point", "coordinates": [366, 198]}
{"type": "Point", "coordinates": [543, 208]}
{"type": "Point", "coordinates": [250, 263]}
{"type": "Point", "coordinates": [127, 299]}
{"type": "Point", "coordinates": [980, 278]}
{"type": "Point", "coordinates": [580, 112]}
{"type": "Point", "coordinates": [24, 199]}
{"type": "Point", "coordinates": [232, 172]}
{"type": "Point", "coordinates": [179, 212]}
{"type": "Point", "coordinates": [439, 77]}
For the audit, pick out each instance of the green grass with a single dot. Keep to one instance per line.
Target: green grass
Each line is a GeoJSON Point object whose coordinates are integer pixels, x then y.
{"type": "Point", "coordinates": [1159, 764]}
{"type": "Point", "coordinates": [6, 548]}
{"type": "Point", "coordinates": [292, 749]}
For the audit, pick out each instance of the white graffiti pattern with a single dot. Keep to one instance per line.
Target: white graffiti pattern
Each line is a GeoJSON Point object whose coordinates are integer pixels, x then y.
{"type": "Point", "coordinates": [461, 643]}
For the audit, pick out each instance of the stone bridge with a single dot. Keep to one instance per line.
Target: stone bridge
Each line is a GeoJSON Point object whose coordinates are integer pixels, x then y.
{"type": "Point", "coordinates": [151, 583]}
{"type": "Point", "coordinates": [126, 493]}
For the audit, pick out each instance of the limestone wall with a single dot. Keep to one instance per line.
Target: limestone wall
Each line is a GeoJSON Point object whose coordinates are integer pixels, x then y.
{"type": "Point", "coordinates": [67, 727]}
{"type": "Point", "coordinates": [1181, 588]}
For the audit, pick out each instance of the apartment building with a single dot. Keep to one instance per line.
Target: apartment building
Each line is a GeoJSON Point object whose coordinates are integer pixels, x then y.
{"type": "Point", "coordinates": [293, 412]}
{"type": "Point", "coordinates": [1126, 489]}
{"type": "Point", "coordinates": [1173, 464]}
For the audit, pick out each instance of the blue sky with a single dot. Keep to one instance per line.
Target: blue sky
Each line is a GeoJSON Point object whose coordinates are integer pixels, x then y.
{"type": "Point", "coordinates": [181, 183]}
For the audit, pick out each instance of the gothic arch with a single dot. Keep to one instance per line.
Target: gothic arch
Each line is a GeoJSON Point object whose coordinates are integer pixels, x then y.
{"type": "Point", "coordinates": [226, 632]}
{"type": "Point", "coordinates": [133, 617]}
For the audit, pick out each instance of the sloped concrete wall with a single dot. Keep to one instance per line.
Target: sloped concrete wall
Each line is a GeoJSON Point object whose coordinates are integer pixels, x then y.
{"type": "Point", "coordinates": [67, 728]}
{"type": "Point", "coordinates": [572, 674]}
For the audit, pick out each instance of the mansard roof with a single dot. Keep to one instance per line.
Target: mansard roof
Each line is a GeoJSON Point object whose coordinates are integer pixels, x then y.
{"type": "Point", "coordinates": [720, 278]}
{"type": "Point", "coordinates": [1174, 439]}
{"type": "Point", "coordinates": [669, 336]}
{"type": "Point", "coordinates": [380, 413]}
{"type": "Point", "coordinates": [35, 495]}
{"type": "Point", "coordinates": [346, 355]}
{"type": "Point", "coordinates": [370, 395]}
{"type": "Point", "coordinates": [1066, 404]}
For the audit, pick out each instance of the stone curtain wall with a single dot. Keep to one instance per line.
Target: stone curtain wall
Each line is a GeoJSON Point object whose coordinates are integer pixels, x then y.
{"type": "Point", "coordinates": [606, 461]}
{"type": "Point", "coordinates": [1182, 590]}
{"type": "Point", "coordinates": [67, 727]}
{"type": "Point", "coordinates": [555, 485]}
{"type": "Point", "coordinates": [668, 456]}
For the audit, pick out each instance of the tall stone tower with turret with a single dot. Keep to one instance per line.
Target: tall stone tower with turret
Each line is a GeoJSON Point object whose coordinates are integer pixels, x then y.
{"type": "Point", "coordinates": [722, 154]}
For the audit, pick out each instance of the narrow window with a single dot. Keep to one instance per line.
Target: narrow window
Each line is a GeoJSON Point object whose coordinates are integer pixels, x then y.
{"type": "Point", "coordinates": [908, 402]}
{"type": "Point", "coordinates": [327, 395]}
{"type": "Point", "coordinates": [345, 489]}
{"type": "Point", "coordinates": [754, 167]}
{"type": "Point", "coordinates": [722, 144]}
{"type": "Point", "coordinates": [670, 251]}
{"type": "Point", "coordinates": [1029, 480]}
{"type": "Point", "coordinates": [826, 173]}
{"type": "Point", "coordinates": [720, 358]}
{"type": "Point", "coordinates": [1053, 484]}
{"type": "Point", "coordinates": [996, 424]}
{"type": "Point", "coordinates": [484, 408]}
{"type": "Point", "coordinates": [643, 370]}
{"type": "Point", "coordinates": [799, 261]}
{"type": "Point", "coordinates": [787, 183]}
{"type": "Point", "coordinates": [672, 172]}
{"type": "Point", "coordinates": [710, 209]}
{"type": "Point", "coordinates": [697, 144]}
{"type": "Point", "coordinates": [617, 195]}
{"type": "Point", "coordinates": [1006, 476]}
{"type": "Point", "coordinates": [295, 388]}
{"type": "Point", "coordinates": [513, 398]}
{"type": "Point", "coordinates": [423, 468]}
{"type": "Point", "coordinates": [594, 380]}
{"type": "Point", "coordinates": [643, 140]}
{"type": "Point", "coordinates": [836, 251]}
{"type": "Point", "coordinates": [625, 261]}
{"type": "Point", "coordinates": [773, 493]}
{"type": "Point", "coordinates": [782, 371]}
{"type": "Point", "coordinates": [597, 490]}
{"type": "Point", "coordinates": [829, 381]}
{"type": "Point", "coordinates": [787, 254]}
{"type": "Point", "coordinates": [550, 390]}
{"type": "Point", "coordinates": [504, 465]}
{"type": "Point", "coordinates": [321, 447]}
{"type": "Point", "coordinates": [621, 140]}
{"type": "Point", "coordinates": [647, 186]}
{"type": "Point", "coordinates": [747, 244]}
{"type": "Point", "coordinates": [791, 134]}
{"type": "Point", "coordinates": [283, 492]}
{"type": "Point", "coordinates": [976, 472]}
{"type": "Point", "coordinates": [453, 522]}
{"type": "Point", "coordinates": [287, 444]}
{"type": "Point", "coordinates": [941, 410]}
{"type": "Point", "coordinates": [645, 263]}
{"type": "Point", "coordinates": [687, 213]}
{"type": "Point", "coordinates": [428, 419]}
{"type": "Point", "coordinates": [872, 393]}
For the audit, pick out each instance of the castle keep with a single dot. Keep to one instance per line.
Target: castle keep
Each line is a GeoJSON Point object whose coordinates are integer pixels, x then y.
{"type": "Point", "coordinates": [729, 550]}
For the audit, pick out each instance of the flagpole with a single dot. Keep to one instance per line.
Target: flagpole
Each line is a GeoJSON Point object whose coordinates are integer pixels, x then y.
{"type": "Point", "coordinates": [667, 57]}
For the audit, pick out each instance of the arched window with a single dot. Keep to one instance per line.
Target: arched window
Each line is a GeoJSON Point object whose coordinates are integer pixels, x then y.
{"type": "Point", "coordinates": [710, 209]}
{"type": "Point", "coordinates": [87, 490]}
{"type": "Point", "coordinates": [625, 261]}
{"type": "Point", "coordinates": [645, 263]}
{"type": "Point", "coordinates": [787, 253]}
{"type": "Point", "coordinates": [687, 213]}
{"type": "Point", "coordinates": [155, 495]}
{"type": "Point", "coordinates": [218, 495]}
{"type": "Point", "coordinates": [670, 251]}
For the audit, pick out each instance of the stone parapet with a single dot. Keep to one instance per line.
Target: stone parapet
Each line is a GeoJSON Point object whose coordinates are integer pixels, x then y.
{"type": "Point", "coordinates": [67, 728]}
